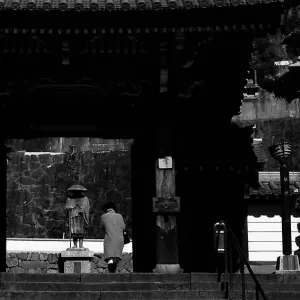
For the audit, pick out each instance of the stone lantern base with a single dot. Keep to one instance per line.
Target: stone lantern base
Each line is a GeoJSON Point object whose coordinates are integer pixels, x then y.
{"type": "Point", "coordinates": [77, 262]}
{"type": "Point", "coordinates": [287, 263]}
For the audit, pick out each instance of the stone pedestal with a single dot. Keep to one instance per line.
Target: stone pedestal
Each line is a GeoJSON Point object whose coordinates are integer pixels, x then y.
{"type": "Point", "coordinates": [287, 264]}
{"type": "Point", "coordinates": [77, 261]}
{"type": "Point", "coordinates": [168, 269]}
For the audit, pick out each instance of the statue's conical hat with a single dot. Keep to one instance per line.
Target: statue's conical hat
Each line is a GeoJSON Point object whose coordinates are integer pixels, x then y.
{"type": "Point", "coordinates": [77, 187]}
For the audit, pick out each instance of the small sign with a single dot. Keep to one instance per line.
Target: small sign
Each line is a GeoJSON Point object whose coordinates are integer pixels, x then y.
{"type": "Point", "coordinates": [77, 267]}
{"type": "Point", "coordinates": [166, 204]}
{"type": "Point", "coordinates": [165, 163]}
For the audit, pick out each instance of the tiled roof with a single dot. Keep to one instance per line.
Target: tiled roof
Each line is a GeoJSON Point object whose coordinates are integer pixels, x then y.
{"type": "Point", "coordinates": [125, 5]}
{"type": "Point", "coordinates": [269, 184]}
{"type": "Point", "coordinates": [273, 188]}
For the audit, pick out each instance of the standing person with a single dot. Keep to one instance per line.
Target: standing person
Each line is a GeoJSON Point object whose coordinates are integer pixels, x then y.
{"type": "Point", "coordinates": [114, 226]}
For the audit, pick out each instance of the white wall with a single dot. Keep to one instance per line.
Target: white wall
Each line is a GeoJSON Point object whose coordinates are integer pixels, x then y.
{"type": "Point", "coordinates": [264, 240]}
{"type": "Point", "coordinates": [53, 245]}
{"type": "Point", "coordinates": [265, 237]}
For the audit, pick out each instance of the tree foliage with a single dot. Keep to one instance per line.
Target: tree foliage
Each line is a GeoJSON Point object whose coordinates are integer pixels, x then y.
{"type": "Point", "coordinates": [285, 45]}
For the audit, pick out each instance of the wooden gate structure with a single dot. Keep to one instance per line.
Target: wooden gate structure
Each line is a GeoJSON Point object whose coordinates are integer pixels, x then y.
{"type": "Point", "coordinates": [168, 73]}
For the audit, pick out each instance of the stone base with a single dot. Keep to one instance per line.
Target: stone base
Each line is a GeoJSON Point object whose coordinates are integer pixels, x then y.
{"type": "Point", "coordinates": [168, 269]}
{"type": "Point", "coordinates": [77, 262]}
{"type": "Point", "coordinates": [77, 249]}
{"type": "Point", "coordinates": [287, 263]}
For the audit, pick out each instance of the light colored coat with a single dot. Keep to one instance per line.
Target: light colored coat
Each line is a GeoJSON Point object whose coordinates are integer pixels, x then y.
{"type": "Point", "coordinates": [113, 224]}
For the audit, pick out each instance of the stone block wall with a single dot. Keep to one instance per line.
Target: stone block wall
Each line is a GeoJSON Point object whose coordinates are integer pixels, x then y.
{"type": "Point", "coordinates": [37, 184]}
{"type": "Point", "coordinates": [32, 263]}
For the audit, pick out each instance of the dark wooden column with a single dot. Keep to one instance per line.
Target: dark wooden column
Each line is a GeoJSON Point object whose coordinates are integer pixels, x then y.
{"type": "Point", "coordinates": [286, 213]}
{"type": "Point", "coordinates": [3, 216]}
{"type": "Point", "coordinates": [166, 205]}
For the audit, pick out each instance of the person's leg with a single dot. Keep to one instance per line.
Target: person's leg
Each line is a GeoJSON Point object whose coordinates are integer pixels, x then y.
{"type": "Point", "coordinates": [81, 243]}
{"type": "Point", "coordinates": [110, 265]}
{"type": "Point", "coordinates": [115, 263]}
{"type": "Point", "coordinates": [75, 242]}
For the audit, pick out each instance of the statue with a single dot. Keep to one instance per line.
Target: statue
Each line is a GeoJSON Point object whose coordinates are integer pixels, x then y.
{"type": "Point", "coordinates": [77, 208]}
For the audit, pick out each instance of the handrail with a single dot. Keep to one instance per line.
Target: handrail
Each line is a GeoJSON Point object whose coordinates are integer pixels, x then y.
{"type": "Point", "coordinates": [244, 261]}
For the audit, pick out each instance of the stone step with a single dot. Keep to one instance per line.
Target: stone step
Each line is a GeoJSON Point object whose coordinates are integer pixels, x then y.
{"type": "Point", "coordinates": [140, 295]}
{"type": "Point", "coordinates": [118, 277]}
{"type": "Point", "coordinates": [111, 295]}
{"type": "Point", "coordinates": [137, 286]}
{"type": "Point", "coordinates": [274, 295]}
{"type": "Point", "coordinates": [267, 287]}
{"type": "Point", "coordinates": [104, 286]}
{"type": "Point", "coordinates": [274, 278]}
{"type": "Point", "coordinates": [145, 277]}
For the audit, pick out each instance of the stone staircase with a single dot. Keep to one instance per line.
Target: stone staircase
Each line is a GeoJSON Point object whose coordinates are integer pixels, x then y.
{"type": "Point", "coordinates": [140, 286]}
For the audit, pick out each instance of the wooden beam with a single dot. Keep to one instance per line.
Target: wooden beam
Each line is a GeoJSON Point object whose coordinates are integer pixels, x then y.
{"type": "Point", "coordinates": [166, 205]}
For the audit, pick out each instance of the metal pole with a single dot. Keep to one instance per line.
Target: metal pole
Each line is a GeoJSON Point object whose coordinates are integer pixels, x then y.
{"type": "Point", "coordinates": [243, 279]}
{"type": "Point", "coordinates": [286, 216]}
{"type": "Point", "coordinates": [70, 228]}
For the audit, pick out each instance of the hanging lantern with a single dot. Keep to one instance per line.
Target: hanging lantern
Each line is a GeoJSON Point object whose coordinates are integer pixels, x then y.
{"type": "Point", "coordinates": [281, 151]}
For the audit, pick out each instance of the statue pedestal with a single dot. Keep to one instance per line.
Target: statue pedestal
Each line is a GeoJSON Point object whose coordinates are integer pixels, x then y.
{"type": "Point", "coordinates": [287, 264]}
{"type": "Point", "coordinates": [77, 261]}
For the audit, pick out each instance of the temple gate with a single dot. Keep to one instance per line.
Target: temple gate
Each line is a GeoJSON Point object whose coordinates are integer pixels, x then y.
{"type": "Point", "coordinates": [169, 74]}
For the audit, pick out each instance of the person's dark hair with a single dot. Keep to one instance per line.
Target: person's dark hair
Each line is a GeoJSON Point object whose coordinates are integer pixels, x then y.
{"type": "Point", "coordinates": [109, 205]}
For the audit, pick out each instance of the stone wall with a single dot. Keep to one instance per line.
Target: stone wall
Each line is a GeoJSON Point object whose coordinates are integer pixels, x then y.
{"type": "Point", "coordinates": [52, 263]}
{"type": "Point", "coordinates": [63, 144]}
{"type": "Point", "coordinates": [36, 190]}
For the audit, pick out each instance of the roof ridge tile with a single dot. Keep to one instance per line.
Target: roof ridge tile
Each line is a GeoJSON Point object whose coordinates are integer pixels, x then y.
{"type": "Point", "coordinates": [125, 5]}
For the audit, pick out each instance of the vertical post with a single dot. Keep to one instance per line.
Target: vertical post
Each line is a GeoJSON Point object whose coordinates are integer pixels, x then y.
{"type": "Point", "coordinates": [60, 144]}
{"type": "Point", "coordinates": [286, 216]}
{"type": "Point", "coordinates": [287, 262]}
{"type": "Point", "coordinates": [70, 229]}
{"type": "Point", "coordinates": [242, 269]}
{"type": "Point", "coordinates": [166, 205]}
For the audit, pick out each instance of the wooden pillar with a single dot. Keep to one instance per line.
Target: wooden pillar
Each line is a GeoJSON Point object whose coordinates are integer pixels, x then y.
{"type": "Point", "coordinates": [3, 212]}
{"type": "Point", "coordinates": [166, 205]}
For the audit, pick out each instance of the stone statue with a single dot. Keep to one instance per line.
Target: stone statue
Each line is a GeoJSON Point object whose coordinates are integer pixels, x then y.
{"type": "Point", "coordinates": [77, 208]}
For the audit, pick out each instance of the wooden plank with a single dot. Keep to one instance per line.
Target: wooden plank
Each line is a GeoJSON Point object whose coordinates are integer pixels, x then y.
{"type": "Point", "coordinates": [264, 256]}
{"type": "Point", "coordinates": [275, 236]}
{"type": "Point", "coordinates": [268, 227]}
{"type": "Point", "coordinates": [166, 229]}
{"type": "Point", "coordinates": [165, 182]}
{"type": "Point", "coordinates": [268, 246]}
